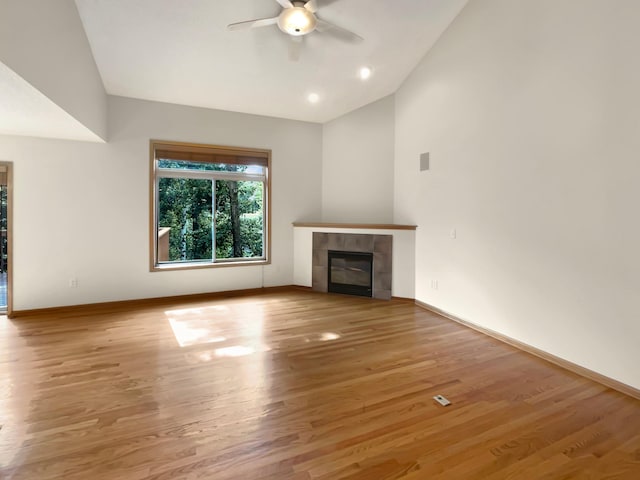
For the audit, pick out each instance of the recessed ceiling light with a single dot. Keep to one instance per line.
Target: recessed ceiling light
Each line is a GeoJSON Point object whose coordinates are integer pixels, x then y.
{"type": "Point", "coordinates": [313, 98]}
{"type": "Point", "coordinates": [365, 73]}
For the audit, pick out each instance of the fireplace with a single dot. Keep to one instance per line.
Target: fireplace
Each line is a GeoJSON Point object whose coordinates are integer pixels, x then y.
{"type": "Point", "coordinates": [379, 247]}
{"type": "Point", "coordinates": [350, 273]}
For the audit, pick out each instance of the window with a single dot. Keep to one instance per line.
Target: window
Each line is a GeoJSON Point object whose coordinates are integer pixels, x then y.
{"type": "Point", "coordinates": [209, 206]}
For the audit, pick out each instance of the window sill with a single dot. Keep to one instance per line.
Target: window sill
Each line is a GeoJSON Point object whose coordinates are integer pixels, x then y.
{"type": "Point", "coordinates": [169, 267]}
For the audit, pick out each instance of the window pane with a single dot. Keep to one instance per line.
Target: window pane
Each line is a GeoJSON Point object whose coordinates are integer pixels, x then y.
{"type": "Point", "coordinates": [216, 167]}
{"type": "Point", "coordinates": [239, 222]}
{"type": "Point", "coordinates": [184, 220]}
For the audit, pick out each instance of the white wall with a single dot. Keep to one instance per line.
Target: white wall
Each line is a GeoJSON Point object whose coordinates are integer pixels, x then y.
{"type": "Point", "coordinates": [44, 42]}
{"type": "Point", "coordinates": [530, 112]}
{"type": "Point", "coordinates": [357, 165]}
{"type": "Point", "coordinates": [82, 209]}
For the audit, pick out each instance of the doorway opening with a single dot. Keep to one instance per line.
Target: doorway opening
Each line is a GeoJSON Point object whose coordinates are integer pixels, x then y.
{"type": "Point", "coordinates": [5, 236]}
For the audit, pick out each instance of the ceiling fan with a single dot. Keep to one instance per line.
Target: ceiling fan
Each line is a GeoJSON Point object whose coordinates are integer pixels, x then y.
{"type": "Point", "coordinates": [297, 19]}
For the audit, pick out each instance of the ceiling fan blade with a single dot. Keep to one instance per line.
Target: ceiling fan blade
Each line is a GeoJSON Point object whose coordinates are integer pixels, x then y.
{"type": "Point", "coordinates": [324, 26]}
{"type": "Point", "coordinates": [311, 5]}
{"type": "Point", "coordinates": [285, 3]}
{"type": "Point", "coordinates": [295, 45]}
{"type": "Point", "coordinates": [260, 22]}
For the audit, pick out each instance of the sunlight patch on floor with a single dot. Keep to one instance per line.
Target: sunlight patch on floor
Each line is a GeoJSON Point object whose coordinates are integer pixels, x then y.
{"type": "Point", "coordinates": [239, 350]}
{"type": "Point", "coordinates": [188, 334]}
{"type": "Point", "coordinates": [327, 336]}
{"type": "Point", "coordinates": [240, 325]}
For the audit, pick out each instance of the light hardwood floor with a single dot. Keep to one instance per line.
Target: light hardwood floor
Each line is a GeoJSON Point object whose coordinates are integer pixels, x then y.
{"type": "Point", "coordinates": [293, 386]}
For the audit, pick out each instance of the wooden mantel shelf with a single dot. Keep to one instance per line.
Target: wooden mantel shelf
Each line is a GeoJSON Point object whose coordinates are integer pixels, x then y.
{"type": "Point", "coordinates": [371, 226]}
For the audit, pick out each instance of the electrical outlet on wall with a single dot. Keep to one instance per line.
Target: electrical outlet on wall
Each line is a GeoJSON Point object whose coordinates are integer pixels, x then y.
{"type": "Point", "coordinates": [434, 284]}
{"type": "Point", "coordinates": [73, 282]}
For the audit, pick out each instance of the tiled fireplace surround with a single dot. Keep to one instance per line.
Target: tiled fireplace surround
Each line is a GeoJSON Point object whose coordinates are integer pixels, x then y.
{"type": "Point", "coordinates": [380, 245]}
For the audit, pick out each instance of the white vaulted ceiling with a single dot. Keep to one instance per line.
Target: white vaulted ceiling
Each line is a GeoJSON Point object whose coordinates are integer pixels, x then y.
{"type": "Point", "coordinates": [180, 51]}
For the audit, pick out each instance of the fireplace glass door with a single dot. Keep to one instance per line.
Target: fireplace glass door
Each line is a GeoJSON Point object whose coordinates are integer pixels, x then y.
{"type": "Point", "coordinates": [351, 273]}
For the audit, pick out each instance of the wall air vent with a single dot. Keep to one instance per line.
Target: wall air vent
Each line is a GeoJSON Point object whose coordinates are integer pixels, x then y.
{"type": "Point", "coordinates": [424, 161]}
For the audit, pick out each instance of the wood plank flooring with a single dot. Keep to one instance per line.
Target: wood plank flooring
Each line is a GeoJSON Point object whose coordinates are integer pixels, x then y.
{"type": "Point", "coordinates": [295, 386]}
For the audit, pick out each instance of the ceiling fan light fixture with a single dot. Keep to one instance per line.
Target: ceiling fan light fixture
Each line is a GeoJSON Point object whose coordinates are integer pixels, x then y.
{"type": "Point", "coordinates": [296, 21]}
